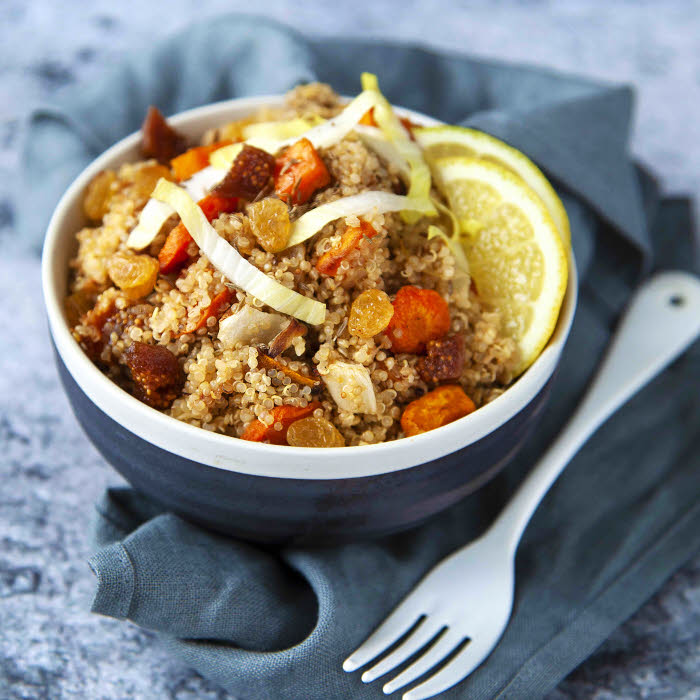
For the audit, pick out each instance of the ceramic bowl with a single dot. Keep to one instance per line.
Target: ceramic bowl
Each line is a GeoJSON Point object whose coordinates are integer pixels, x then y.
{"type": "Point", "coordinates": [267, 492]}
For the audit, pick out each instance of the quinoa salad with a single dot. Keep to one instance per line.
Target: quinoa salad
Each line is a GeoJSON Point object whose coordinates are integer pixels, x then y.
{"type": "Point", "coordinates": [292, 279]}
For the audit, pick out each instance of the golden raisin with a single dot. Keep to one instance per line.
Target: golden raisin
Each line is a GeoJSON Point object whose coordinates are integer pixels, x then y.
{"type": "Point", "coordinates": [314, 432]}
{"type": "Point", "coordinates": [269, 222]}
{"type": "Point", "coordinates": [135, 275]}
{"type": "Point", "coordinates": [370, 313]}
{"type": "Point", "coordinates": [98, 194]}
{"type": "Point", "coordinates": [77, 305]}
{"type": "Point", "coordinates": [144, 181]}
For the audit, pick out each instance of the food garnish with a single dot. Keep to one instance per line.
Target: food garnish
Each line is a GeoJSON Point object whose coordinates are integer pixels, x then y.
{"type": "Point", "coordinates": [420, 315]}
{"type": "Point", "coordinates": [435, 409]}
{"type": "Point", "coordinates": [225, 258]}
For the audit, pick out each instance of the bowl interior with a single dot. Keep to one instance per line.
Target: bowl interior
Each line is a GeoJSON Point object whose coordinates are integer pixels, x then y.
{"type": "Point", "coordinates": [222, 451]}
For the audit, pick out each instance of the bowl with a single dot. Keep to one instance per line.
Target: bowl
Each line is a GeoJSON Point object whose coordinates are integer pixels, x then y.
{"type": "Point", "coordinates": [275, 493]}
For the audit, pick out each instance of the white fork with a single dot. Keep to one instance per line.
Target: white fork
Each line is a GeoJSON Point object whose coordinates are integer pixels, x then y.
{"type": "Point", "coordinates": [464, 603]}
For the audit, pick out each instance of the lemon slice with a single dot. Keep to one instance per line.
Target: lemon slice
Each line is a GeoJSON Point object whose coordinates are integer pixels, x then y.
{"type": "Point", "coordinates": [448, 141]}
{"type": "Point", "coordinates": [516, 256]}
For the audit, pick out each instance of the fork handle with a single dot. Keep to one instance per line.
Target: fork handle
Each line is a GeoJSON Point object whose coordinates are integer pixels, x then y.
{"type": "Point", "coordinates": [662, 319]}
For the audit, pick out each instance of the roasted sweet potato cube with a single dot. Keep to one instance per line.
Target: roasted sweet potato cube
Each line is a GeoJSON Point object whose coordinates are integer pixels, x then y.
{"type": "Point", "coordinates": [435, 409]}
{"type": "Point", "coordinates": [329, 263]}
{"type": "Point", "coordinates": [420, 315]}
{"type": "Point", "coordinates": [193, 160]}
{"type": "Point", "coordinates": [174, 253]}
{"type": "Point", "coordinates": [257, 431]}
{"type": "Point", "coordinates": [299, 172]}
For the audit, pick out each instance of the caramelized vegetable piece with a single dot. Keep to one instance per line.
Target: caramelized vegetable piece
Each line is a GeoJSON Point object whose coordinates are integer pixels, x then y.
{"type": "Point", "coordinates": [284, 339]}
{"type": "Point", "coordinates": [174, 251]}
{"type": "Point", "coordinates": [249, 175]}
{"type": "Point", "coordinates": [135, 275]}
{"type": "Point", "coordinates": [218, 305]}
{"type": "Point", "coordinates": [98, 194]}
{"type": "Point", "coordinates": [156, 372]}
{"type": "Point", "coordinates": [435, 409]}
{"type": "Point", "coordinates": [269, 222]}
{"type": "Point", "coordinates": [271, 363]}
{"type": "Point", "coordinates": [214, 205]}
{"type": "Point", "coordinates": [314, 432]}
{"type": "Point", "coordinates": [299, 172]}
{"type": "Point", "coordinates": [370, 313]}
{"type": "Point", "coordinates": [283, 417]}
{"type": "Point", "coordinates": [193, 160]}
{"type": "Point", "coordinates": [158, 139]}
{"type": "Point", "coordinates": [420, 315]}
{"type": "Point", "coordinates": [329, 263]}
{"type": "Point", "coordinates": [443, 361]}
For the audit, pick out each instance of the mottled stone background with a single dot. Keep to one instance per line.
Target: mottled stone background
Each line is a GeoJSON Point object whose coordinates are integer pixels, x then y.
{"type": "Point", "coordinates": [50, 646]}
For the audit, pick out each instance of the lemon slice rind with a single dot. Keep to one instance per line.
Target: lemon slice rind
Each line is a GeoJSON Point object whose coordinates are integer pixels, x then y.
{"type": "Point", "coordinates": [513, 190]}
{"type": "Point", "coordinates": [485, 146]}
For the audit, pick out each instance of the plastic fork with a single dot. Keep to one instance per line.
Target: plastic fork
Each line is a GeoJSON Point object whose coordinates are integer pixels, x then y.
{"type": "Point", "coordinates": [459, 610]}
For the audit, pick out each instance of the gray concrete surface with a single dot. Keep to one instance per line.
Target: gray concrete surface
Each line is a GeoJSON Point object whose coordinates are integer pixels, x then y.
{"type": "Point", "coordinates": [50, 645]}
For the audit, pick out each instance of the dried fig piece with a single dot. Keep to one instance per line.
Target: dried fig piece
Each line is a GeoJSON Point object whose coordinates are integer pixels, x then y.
{"type": "Point", "coordinates": [444, 360]}
{"type": "Point", "coordinates": [249, 175]}
{"type": "Point", "coordinates": [158, 139]}
{"type": "Point", "coordinates": [157, 375]}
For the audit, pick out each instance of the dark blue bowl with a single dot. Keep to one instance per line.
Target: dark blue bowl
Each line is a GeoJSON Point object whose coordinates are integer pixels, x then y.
{"type": "Point", "coordinates": [267, 492]}
{"type": "Point", "coordinates": [273, 509]}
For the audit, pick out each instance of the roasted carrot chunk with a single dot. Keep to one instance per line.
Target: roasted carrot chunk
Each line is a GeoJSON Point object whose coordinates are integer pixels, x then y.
{"type": "Point", "coordinates": [268, 362]}
{"type": "Point", "coordinates": [435, 409]}
{"type": "Point", "coordinates": [193, 160]}
{"type": "Point", "coordinates": [158, 139]}
{"type": "Point", "coordinates": [329, 263]}
{"type": "Point", "coordinates": [420, 315]}
{"type": "Point", "coordinates": [214, 205]}
{"type": "Point", "coordinates": [257, 431]}
{"type": "Point", "coordinates": [443, 361]}
{"type": "Point", "coordinates": [217, 306]}
{"type": "Point", "coordinates": [299, 172]}
{"type": "Point", "coordinates": [174, 251]}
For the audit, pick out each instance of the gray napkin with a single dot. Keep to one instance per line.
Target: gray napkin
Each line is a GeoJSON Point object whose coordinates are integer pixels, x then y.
{"type": "Point", "coordinates": [276, 624]}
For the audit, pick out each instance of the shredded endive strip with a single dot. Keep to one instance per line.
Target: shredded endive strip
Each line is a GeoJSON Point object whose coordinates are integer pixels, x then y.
{"type": "Point", "coordinates": [356, 205]}
{"type": "Point", "coordinates": [225, 258]}
{"type": "Point", "coordinates": [394, 130]}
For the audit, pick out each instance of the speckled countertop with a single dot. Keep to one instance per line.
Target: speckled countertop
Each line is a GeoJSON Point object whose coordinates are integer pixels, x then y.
{"type": "Point", "coordinates": [50, 645]}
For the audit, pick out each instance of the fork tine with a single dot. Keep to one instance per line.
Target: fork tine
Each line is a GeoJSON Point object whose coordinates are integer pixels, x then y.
{"type": "Point", "coordinates": [433, 656]}
{"type": "Point", "coordinates": [452, 673]}
{"type": "Point", "coordinates": [397, 624]}
{"type": "Point", "coordinates": [425, 631]}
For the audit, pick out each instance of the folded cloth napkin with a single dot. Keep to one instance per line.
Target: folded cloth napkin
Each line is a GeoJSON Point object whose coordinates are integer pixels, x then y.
{"type": "Point", "coordinates": [268, 623]}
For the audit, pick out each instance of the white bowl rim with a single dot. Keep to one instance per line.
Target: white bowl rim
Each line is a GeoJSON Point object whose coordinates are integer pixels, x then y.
{"type": "Point", "coordinates": [258, 459]}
